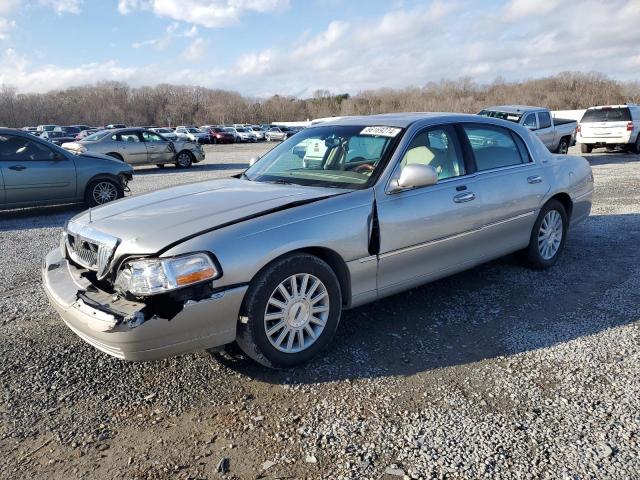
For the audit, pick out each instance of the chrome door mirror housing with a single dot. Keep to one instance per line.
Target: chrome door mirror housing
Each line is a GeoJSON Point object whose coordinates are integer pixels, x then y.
{"type": "Point", "coordinates": [415, 175]}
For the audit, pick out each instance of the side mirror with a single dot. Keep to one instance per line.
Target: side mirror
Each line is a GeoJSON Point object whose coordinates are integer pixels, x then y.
{"type": "Point", "coordinates": [416, 175]}
{"type": "Point", "coordinates": [531, 127]}
{"type": "Point", "coordinates": [253, 160]}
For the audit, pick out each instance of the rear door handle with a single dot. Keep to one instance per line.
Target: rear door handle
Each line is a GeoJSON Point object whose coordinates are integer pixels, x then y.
{"type": "Point", "coordinates": [17, 168]}
{"type": "Point", "coordinates": [464, 197]}
{"type": "Point", "coordinates": [535, 179]}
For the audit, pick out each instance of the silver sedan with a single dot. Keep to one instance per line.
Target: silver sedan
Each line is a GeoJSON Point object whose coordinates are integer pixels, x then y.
{"type": "Point", "coordinates": [269, 259]}
{"type": "Point", "coordinates": [138, 146]}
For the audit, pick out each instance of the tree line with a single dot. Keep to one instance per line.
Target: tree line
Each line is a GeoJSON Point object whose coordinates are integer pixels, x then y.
{"type": "Point", "coordinates": [116, 102]}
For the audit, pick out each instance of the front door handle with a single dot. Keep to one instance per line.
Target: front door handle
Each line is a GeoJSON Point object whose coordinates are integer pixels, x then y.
{"type": "Point", "coordinates": [534, 179]}
{"type": "Point", "coordinates": [464, 197]}
{"type": "Point", "coordinates": [17, 168]}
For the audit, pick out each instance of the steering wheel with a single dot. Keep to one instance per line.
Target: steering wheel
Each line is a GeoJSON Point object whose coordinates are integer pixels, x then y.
{"type": "Point", "coordinates": [364, 168]}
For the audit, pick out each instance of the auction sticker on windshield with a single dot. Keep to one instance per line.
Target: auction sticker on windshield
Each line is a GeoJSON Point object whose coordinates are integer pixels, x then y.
{"type": "Point", "coordinates": [381, 131]}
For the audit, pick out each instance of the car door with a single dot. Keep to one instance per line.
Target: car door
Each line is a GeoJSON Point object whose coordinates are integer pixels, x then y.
{"type": "Point", "coordinates": [545, 131]}
{"type": "Point", "coordinates": [34, 171]}
{"type": "Point", "coordinates": [159, 150]}
{"type": "Point", "coordinates": [428, 232]}
{"type": "Point", "coordinates": [132, 148]}
{"type": "Point", "coordinates": [509, 184]}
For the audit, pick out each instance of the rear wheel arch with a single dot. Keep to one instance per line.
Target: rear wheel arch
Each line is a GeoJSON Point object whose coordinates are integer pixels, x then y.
{"type": "Point", "coordinates": [566, 202]}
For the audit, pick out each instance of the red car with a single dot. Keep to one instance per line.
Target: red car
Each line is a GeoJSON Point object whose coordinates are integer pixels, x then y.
{"type": "Point", "coordinates": [218, 135]}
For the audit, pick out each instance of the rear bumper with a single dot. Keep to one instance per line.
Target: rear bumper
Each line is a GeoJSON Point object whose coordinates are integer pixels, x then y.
{"type": "Point", "coordinates": [200, 324]}
{"type": "Point", "coordinates": [618, 140]}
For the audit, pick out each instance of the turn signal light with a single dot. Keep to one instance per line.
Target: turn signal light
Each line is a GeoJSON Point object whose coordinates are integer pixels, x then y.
{"type": "Point", "coordinates": [630, 127]}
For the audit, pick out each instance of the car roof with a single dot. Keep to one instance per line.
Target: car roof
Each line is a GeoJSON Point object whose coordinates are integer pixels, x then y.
{"type": "Point", "coordinates": [401, 120]}
{"type": "Point", "coordinates": [601, 107]}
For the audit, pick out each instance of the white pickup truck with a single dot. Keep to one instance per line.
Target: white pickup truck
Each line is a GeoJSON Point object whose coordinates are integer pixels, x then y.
{"type": "Point", "coordinates": [558, 134]}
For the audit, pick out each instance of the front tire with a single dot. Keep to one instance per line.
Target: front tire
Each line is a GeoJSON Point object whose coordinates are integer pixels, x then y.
{"type": "Point", "coordinates": [584, 148]}
{"type": "Point", "coordinates": [547, 237]}
{"type": "Point", "coordinates": [102, 191]}
{"type": "Point", "coordinates": [293, 309]}
{"type": "Point", "coordinates": [184, 159]}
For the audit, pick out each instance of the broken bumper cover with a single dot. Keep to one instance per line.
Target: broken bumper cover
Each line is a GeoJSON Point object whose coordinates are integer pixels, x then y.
{"type": "Point", "coordinates": [202, 324]}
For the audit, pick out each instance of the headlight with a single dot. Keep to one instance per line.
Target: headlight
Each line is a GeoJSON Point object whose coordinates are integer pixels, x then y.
{"type": "Point", "coordinates": [150, 276]}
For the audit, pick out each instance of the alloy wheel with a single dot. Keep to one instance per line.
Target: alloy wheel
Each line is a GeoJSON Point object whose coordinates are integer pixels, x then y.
{"type": "Point", "coordinates": [550, 234]}
{"type": "Point", "coordinates": [104, 192]}
{"type": "Point", "coordinates": [296, 313]}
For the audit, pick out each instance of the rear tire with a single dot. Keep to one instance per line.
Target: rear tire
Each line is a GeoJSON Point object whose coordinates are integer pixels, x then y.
{"type": "Point", "coordinates": [636, 146]}
{"type": "Point", "coordinates": [584, 148]}
{"type": "Point", "coordinates": [548, 236]}
{"type": "Point", "coordinates": [304, 324]}
{"type": "Point", "coordinates": [102, 191]}
{"type": "Point", "coordinates": [563, 146]}
{"type": "Point", "coordinates": [184, 159]}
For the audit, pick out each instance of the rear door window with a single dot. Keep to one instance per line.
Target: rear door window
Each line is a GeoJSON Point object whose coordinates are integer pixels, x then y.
{"type": "Point", "coordinates": [545, 119]}
{"type": "Point", "coordinates": [618, 114]}
{"type": "Point", "coordinates": [493, 147]}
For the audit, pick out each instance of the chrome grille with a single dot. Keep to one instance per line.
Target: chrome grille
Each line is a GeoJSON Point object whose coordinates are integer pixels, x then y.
{"type": "Point", "coordinates": [90, 248]}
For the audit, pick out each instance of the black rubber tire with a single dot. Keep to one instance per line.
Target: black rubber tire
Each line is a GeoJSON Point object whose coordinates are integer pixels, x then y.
{"type": "Point", "coordinates": [584, 148]}
{"type": "Point", "coordinates": [190, 159]}
{"type": "Point", "coordinates": [563, 146]}
{"type": "Point", "coordinates": [90, 201]}
{"type": "Point", "coordinates": [115, 155]}
{"type": "Point", "coordinates": [636, 146]}
{"type": "Point", "coordinates": [531, 255]}
{"type": "Point", "coordinates": [251, 336]}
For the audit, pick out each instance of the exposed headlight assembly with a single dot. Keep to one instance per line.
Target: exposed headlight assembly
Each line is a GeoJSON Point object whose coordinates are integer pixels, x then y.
{"type": "Point", "coordinates": [151, 276]}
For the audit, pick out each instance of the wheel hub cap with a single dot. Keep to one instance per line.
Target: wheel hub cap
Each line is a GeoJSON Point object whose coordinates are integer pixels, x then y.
{"type": "Point", "coordinates": [550, 235]}
{"type": "Point", "coordinates": [296, 313]}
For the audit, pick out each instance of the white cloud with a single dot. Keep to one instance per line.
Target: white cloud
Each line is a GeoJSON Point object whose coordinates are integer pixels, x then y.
{"type": "Point", "coordinates": [196, 50]}
{"type": "Point", "coordinates": [171, 32]}
{"type": "Point", "coordinates": [63, 6]}
{"type": "Point", "coordinates": [208, 13]}
{"type": "Point", "coordinates": [6, 26]}
{"type": "Point", "coordinates": [324, 41]}
{"type": "Point", "coordinates": [518, 9]}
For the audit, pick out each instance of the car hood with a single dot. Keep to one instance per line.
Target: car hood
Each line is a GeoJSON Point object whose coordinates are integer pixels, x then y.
{"type": "Point", "coordinates": [148, 223]}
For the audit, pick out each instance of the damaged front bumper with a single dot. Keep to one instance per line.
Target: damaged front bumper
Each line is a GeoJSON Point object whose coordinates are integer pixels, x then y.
{"type": "Point", "coordinates": [126, 329]}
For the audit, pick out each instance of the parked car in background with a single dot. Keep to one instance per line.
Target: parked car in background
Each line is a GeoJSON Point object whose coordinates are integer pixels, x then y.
{"type": "Point", "coordinates": [218, 134]}
{"type": "Point", "coordinates": [70, 131]}
{"type": "Point", "coordinates": [192, 134]}
{"type": "Point", "coordinates": [45, 128]}
{"type": "Point", "coordinates": [270, 259]}
{"type": "Point", "coordinates": [610, 126]}
{"type": "Point", "coordinates": [166, 132]}
{"type": "Point", "coordinates": [35, 172]}
{"type": "Point", "coordinates": [57, 137]}
{"type": "Point", "coordinates": [245, 134]}
{"type": "Point", "coordinates": [259, 132]}
{"type": "Point", "coordinates": [30, 129]}
{"type": "Point", "coordinates": [556, 133]}
{"type": "Point", "coordinates": [138, 146]}
{"type": "Point", "coordinates": [234, 132]}
{"type": "Point", "coordinates": [85, 133]}
{"type": "Point", "coordinates": [113, 126]}
{"type": "Point", "coordinates": [278, 133]}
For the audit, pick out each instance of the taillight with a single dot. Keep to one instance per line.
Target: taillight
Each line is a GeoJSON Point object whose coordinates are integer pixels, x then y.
{"type": "Point", "coordinates": [630, 127]}
{"type": "Point", "coordinates": [579, 129]}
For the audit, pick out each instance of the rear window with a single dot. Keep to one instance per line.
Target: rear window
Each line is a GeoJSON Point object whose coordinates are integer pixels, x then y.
{"type": "Point", "coordinates": [607, 115]}
{"type": "Point", "coordinates": [512, 117]}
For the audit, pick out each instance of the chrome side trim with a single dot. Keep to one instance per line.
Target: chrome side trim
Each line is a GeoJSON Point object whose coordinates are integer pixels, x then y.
{"type": "Point", "coordinates": [453, 237]}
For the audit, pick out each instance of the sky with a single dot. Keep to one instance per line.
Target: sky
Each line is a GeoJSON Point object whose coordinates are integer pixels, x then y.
{"type": "Point", "coordinates": [295, 47]}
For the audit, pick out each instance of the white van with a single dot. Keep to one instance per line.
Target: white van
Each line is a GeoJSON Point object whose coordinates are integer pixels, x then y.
{"type": "Point", "coordinates": [610, 126]}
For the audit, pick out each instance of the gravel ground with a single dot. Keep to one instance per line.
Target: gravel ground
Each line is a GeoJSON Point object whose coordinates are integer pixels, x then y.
{"type": "Point", "coordinates": [498, 372]}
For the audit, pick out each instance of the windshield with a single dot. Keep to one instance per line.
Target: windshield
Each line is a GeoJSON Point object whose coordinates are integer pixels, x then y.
{"type": "Point", "coordinates": [94, 137]}
{"type": "Point", "coordinates": [607, 115]}
{"type": "Point", "coordinates": [331, 156]}
{"type": "Point", "coordinates": [512, 117]}
{"type": "Point", "coordinates": [193, 130]}
{"type": "Point", "coordinates": [229, 129]}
